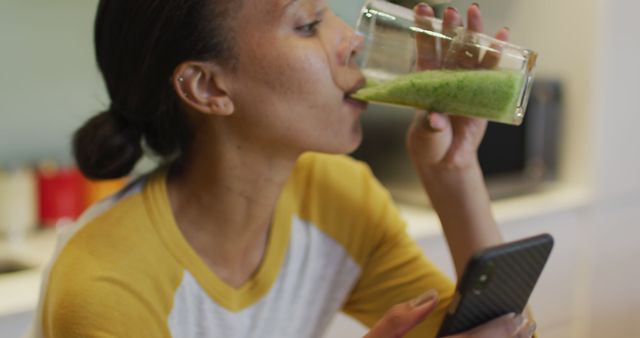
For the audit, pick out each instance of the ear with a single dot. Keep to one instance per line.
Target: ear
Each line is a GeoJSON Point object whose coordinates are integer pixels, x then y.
{"type": "Point", "coordinates": [203, 87]}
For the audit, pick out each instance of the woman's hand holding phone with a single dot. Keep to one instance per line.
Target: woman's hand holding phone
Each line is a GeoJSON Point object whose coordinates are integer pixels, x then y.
{"type": "Point", "coordinates": [512, 326]}
{"type": "Point", "coordinates": [402, 318]}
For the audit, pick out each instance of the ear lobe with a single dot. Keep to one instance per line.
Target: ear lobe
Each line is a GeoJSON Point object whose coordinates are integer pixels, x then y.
{"type": "Point", "coordinates": [222, 105]}
{"type": "Point", "coordinates": [202, 88]}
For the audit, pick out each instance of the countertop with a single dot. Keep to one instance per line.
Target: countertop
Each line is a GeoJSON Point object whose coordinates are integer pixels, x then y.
{"type": "Point", "coordinates": [19, 291]}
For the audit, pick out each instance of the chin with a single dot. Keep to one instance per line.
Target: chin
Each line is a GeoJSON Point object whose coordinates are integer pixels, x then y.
{"type": "Point", "coordinates": [343, 139]}
{"type": "Point", "coordinates": [352, 141]}
{"type": "Point", "coordinates": [355, 145]}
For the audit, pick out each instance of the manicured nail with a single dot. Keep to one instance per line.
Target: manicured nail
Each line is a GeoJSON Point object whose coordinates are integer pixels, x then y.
{"type": "Point", "coordinates": [426, 123]}
{"type": "Point", "coordinates": [424, 9]}
{"type": "Point", "coordinates": [425, 298]}
{"type": "Point", "coordinates": [475, 4]}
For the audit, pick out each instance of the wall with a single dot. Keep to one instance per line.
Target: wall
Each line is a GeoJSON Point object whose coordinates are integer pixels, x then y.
{"type": "Point", "coordinates": [614, 232]}
{"type": "Point", "coordinates": [49, 82]}
{"type": "Point", "coordinates": [48, 79]}
{"type": "Point", "coordinates": [563, 33]}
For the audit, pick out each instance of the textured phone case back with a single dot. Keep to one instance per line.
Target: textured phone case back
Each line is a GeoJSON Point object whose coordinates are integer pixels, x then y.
{"type": "Point", "coordinates": [514, 269]}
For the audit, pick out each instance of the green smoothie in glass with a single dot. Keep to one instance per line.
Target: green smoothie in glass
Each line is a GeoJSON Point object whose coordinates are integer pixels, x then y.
{"type": "Point", "coordinates": [489, 94]}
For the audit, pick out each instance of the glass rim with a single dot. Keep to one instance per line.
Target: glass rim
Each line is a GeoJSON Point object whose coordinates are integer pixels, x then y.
{"type": "Point", "coordinates": [404, 13]}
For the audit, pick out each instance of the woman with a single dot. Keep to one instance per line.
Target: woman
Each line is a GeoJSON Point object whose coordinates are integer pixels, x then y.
{"type": "Point", "coordinates": [253, 226]}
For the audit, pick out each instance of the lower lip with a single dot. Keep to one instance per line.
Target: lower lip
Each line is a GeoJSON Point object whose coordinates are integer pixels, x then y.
{"type": "Point", "coordinates": [360, 105]}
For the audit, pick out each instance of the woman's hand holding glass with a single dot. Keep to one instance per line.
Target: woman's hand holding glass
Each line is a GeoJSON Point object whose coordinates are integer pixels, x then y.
{"type": "Point", "coordinates": [436, 140]}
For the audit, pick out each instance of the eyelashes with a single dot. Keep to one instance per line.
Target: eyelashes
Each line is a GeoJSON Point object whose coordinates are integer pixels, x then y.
{"type": "Point", "coordinates": [309, 29]}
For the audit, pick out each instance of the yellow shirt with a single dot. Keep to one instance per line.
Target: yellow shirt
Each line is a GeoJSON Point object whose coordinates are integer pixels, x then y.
{"type": "Point", "coordinates": [337, 243]}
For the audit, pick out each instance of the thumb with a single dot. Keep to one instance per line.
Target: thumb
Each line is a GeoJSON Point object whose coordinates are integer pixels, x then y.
{"type": "Point", "coordinates": [431, 122]}
{"type": "Point", "coordinates": [429, 138]}
{"type": "Point", "coordinates": [401, 318]}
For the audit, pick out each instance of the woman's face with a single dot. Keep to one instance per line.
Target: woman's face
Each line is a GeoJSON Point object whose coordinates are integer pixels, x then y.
{"type": "Point", "coordinates": [293, 76]}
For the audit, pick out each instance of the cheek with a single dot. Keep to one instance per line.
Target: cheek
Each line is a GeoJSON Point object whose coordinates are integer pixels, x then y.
{"type": "Point", "coordinates": [303, 73]}
{"type": "Point", "coordinates": [295, 72]}
{"type": "Point", "coordinates": [288, 86]}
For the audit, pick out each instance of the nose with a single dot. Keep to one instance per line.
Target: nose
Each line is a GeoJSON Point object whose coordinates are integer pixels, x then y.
{"type": "Point", "coordinates": [351, 43]}
{"type": "Point", "coordinates": [356, 44]}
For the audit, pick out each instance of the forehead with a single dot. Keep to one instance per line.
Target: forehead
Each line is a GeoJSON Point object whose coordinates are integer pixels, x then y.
{"type": "Point", "coordinates": [271, 13]}
{"type": "Point", "coordinates": [279, 7]}
{"type": "Point", "coordinates": [268, 8]}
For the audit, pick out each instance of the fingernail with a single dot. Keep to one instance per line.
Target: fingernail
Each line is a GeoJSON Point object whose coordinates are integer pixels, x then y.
{"type": "Point", "coordinates": [450, 8]}
{"type": "Point", "coordinates": [423, 9]}
{"type": "Point", "coordinates": [475, 4]}
{"type": "Point", "coordinates": [507, 28]}
{"type": "Point", "coordinates": [425, 298]}
{"type": "Point", "coordinates": [426, 122]}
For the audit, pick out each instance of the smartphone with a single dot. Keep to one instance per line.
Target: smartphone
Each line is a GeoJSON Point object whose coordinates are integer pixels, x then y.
{"type": "Point", "coordinates": [496, 281]}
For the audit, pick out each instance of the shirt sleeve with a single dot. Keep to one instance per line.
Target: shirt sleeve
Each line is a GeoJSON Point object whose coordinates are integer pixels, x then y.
{"type": "Point", "coordinates": [395, 269]}
{"type": "Point", "coordinates": [356, 210]}
{"type": "Point", "coordinates": [102, 309]}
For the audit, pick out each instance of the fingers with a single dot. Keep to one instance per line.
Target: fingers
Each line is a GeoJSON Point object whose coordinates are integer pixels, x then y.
{"type": "Point", "coordinates": [450, 22]}
{"type": "Point", "coordinates": [474, 19]}
{"type": "Point", "coordinates": [466, 56]}
{"type": "Point", "coordinates": [507, 326]}
{"type": "Point", "coordinates": [492, 57]}
{"type": "Point", "coordinates": [435, 122]}
{"type": "Point", "coordinates": [427, 57]}
{"type": "Point", "coordinates": [404, 317]}
{"type": "Point", "coordinates": [469, 57]}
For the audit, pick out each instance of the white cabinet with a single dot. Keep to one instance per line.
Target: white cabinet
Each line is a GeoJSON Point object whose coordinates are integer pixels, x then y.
{"type": "Point", "coordinates": [614, 292]}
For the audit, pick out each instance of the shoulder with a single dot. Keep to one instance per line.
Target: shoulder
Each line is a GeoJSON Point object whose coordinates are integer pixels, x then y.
{"type": "Point", "coordinates": [336, 176]}
{"type": "Point", "coordinates": [92, 304]}
{"type": "Point", "coordinates": [117, 234]}
{"type": "Point", "coordinates": [343, 198]}
{"type": "Point", "coordinates": [110, 270]}
{"type": "Point", "coordinates": [339, 187]}
{"type": "Point", "coordinates": [107, 238]}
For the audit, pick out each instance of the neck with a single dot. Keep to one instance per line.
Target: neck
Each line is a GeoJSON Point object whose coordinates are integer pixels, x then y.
{"type": "Point", "coordinates": [223, 200]}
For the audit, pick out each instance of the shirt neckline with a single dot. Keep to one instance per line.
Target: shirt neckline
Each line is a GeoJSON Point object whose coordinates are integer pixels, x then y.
{"type": "Point", "coordinates": [233, 299]}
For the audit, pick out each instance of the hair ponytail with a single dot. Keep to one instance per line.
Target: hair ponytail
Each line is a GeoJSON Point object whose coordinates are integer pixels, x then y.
{"type": "Point", "coordinates": [106, 148]}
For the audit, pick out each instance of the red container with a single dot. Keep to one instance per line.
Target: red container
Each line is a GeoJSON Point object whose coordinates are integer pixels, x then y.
{"type": "Point", "coordinates": [61, 194]}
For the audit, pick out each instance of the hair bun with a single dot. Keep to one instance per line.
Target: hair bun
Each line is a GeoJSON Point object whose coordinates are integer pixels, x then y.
{"type": "Point", "coordinates": [105, 147]}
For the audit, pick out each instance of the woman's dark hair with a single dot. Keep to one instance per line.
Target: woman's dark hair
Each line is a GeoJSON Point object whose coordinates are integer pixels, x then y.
{"type": "Point", "coordinates": [138, 45]}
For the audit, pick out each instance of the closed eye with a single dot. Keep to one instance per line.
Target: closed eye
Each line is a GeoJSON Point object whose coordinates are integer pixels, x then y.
{"type": "Point", "coordinates": [309, 29]}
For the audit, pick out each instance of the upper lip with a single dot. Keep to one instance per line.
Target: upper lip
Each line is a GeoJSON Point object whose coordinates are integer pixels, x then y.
{"type": "Point", "coordinates": [357, 86]}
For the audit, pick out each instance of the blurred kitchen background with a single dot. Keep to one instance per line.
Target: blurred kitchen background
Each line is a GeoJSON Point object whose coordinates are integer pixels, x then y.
{"type": "Point", "coordinates": [570, 170]}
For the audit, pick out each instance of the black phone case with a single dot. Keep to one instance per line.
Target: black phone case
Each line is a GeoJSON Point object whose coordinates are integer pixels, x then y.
{"type": "Point", "coordinates": [497, 281]}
